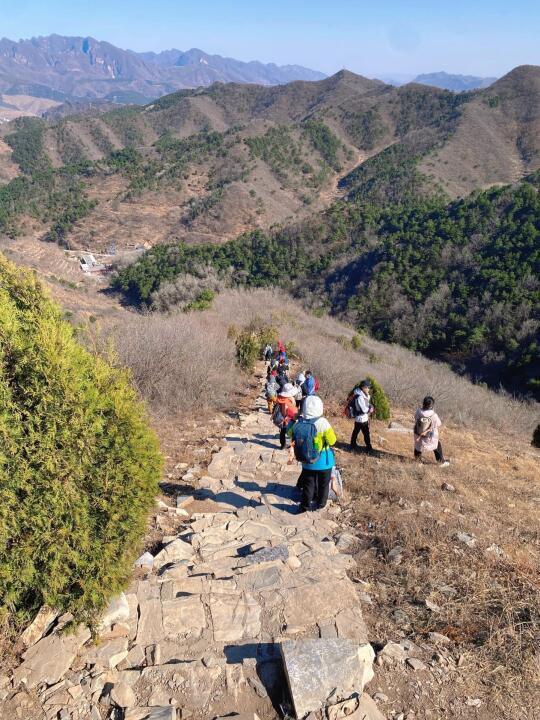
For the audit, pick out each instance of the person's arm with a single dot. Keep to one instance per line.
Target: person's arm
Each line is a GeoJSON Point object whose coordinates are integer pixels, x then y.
{"type": "Point", "coordinates": [326, 438]}
{"type": "Point", "coordinates": [330, 437]}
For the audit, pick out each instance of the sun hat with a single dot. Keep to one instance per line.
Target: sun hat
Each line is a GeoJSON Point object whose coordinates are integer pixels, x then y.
{"type": "Point", "coordinates": [288, 390]}
{"type": "Point", "coordinates": [312, 407]}
{"type": "Point", "coordinates": [301, 378]}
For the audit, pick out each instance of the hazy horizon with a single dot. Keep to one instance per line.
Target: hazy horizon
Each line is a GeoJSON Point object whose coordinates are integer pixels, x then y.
{"type": "Point", "coordinates": [487, 39]}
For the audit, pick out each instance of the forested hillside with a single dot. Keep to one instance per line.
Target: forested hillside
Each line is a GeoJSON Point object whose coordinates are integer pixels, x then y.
{"type": "Point", "coordinates": [210, 164]}
{"type": "Point", "coordinates": [354, 194]}
{"type": "Point", "coordinates": [458, 281]}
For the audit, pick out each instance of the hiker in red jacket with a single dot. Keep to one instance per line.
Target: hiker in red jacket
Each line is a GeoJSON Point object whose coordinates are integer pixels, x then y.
{"type": "Point", "coordinates": [285, 410]}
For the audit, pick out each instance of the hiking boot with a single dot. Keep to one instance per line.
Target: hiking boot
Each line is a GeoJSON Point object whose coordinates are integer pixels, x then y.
{"type": "Point", "coordinates": [446, 463]}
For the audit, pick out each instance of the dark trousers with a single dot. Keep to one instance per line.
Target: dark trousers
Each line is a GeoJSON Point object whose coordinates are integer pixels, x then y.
{"type": "Point", "coordinates": [439, 456]}
{"type": "Point", "coordinates": [364, 429]}
{"type": "Point", "coordinates": [283, 437]}
{"type": "Point", "coordinates": [315, 486]}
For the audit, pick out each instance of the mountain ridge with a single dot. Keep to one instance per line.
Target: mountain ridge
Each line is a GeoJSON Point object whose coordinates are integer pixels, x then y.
{"type": "Point", "coordinates": [71, 67]}
{"type": "Point", "coordinates": [454, 82]}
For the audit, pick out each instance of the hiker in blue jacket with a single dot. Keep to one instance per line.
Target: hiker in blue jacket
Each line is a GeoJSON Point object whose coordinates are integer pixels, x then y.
{"type": "Point", "coordinates": [312, 440]}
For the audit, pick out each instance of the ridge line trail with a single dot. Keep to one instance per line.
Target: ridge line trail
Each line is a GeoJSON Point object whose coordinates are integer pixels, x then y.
{"type": "Point", "coordinates": [202, 626]}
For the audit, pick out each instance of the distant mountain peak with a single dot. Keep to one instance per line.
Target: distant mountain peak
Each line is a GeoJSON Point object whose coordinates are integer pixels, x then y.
{"type": "Point", "coordinates": [83, 68]}
{"type": "Point", "coordinates": [456, 83]}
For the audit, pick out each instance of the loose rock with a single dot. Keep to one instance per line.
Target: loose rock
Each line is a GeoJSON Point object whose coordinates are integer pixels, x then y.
{"type": "Point", "coordinates": [416, 664]}
{"type": "Point", "coordinates": [39, 626]}
{"type": "Point", "coordinates": [123, 696]}
{"type": "Point", "coordinates": [317, 668]}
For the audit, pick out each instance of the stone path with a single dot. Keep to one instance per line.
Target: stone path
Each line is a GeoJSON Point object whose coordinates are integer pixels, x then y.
{"type": "Point", "coordinates": [205, 628]}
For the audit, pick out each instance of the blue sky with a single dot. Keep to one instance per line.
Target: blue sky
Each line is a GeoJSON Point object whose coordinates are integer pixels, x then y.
{"type": "Point", "coordinates": [373, 38]}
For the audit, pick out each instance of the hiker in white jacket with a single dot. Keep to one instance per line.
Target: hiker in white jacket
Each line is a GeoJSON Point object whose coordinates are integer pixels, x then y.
{"type": "Point", "coordinates": [364, 408]}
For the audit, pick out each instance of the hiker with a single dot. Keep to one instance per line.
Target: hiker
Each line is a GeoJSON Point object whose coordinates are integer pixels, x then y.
{"type": "Point", "coordinates": [300, 379]}
{"type": "Point", "coordinates": [268, 352]}
{"type": "Point", "coordinates": [284, 411]}
{"type": "Point", "coordinates": [361, 409]}
{"type": "Point", "coordinates": [271, 389]}
{"type": "Point", "coordinates": [310, 385]}
{"type": "Point", "coordinates": [426, 432]}
{"type": "Point", "coordinates": [281, 376]}
{"type": "Point", "coordinates": [312, 439]}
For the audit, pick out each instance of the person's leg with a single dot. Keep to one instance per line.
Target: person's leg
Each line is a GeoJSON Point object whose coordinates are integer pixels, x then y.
{"type": "Point", "coordinates": [283, 437]}
{"type": "Point", "coordinates": [367, 437]}
{"type": "Point", "coordinates": [309, 486]}
{"type": "Point", "coordinates": [439, 455]}
{"type": "Point", "coordinates": [300, 481]}
{"type": "Point", "coordinates": [354, 436]}
{"type": "Point", "coordinates": [417, 454]}
{"type": "Point", "coordinates": [323, 488]}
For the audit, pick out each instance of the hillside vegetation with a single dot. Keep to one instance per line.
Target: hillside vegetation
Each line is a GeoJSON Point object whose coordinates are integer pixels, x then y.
{"type": "Point", "coordinates": [255, 169]}
{"type": "Point", "coordinates": [458, 281]}
{"type": "Point", "coordinates": [213, 163]}
{"type": "Point", "coordinates": [78, 464]}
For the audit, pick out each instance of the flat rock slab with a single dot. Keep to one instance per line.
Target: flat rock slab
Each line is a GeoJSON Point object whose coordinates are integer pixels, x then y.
{"type": "Point", "coordinates": [183, 616]}
{"type": "Point", "coordinates": [49, 659]}
{"type": "Point", "coordinates": [151, 713]}
{"type": "Point", "coordinates": [39, 626]}
{"type": "Point", "coordinates": [316, 669]}
{"type": "Point", "coordinates": [174, 551]}
{"type": "Point", "coordinates": [108, 654]}
{"type": "Point", "coordinates": [279, 552]}
{"type": "Point", "coordinates": [235, 617]}
{"type": "Point", "coordinates": [309, 603]}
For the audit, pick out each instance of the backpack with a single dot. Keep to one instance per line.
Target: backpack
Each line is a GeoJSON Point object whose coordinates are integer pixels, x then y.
{"type": "Point", "coordinates": [303, 436]}
{"type": "Point", "coordinates": [278, 418]}
{"type": "Point", "coordinates": [352, 408]}
{"type": "Point", "coordinates": [282, 379]}
{"type": "Point", "coordinates": [421, 428]}
{"type": "Point", "coordinates": [316, 388]}
{"type": "Point", "coordinates": [271, 390]}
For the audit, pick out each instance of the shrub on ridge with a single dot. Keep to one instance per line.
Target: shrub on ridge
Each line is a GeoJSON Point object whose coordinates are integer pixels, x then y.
{"type": "Point", "coordinates": [78, 464]}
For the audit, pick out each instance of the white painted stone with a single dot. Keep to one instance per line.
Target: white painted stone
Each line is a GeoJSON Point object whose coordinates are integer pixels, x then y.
{"type": "Point", "coordinates": [117, 611]}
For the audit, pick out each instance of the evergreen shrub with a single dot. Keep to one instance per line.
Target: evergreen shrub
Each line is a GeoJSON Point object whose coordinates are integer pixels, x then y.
{"type": "Point", "coordinates": [379, 400]}
{"type": "Point", "coordinates": [78, 464]}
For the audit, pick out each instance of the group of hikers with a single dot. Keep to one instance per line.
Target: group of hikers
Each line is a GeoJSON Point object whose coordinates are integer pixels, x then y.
{"type": "Point", "coordinates": [298, 412]}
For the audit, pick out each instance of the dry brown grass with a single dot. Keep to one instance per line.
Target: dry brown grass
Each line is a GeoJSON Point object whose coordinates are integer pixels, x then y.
{"type": "Point", "coordinates": [185, 360]}
{"type": "Point", "coordinates": [179, 362]}
{"type": "Point", "coordinates": [488, 605]}
{"type": "Point", "coordinates": [405, 376]}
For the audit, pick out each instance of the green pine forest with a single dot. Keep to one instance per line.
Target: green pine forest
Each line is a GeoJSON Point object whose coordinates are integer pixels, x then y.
{"type": "Point", "coordinates": [458, 281]}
